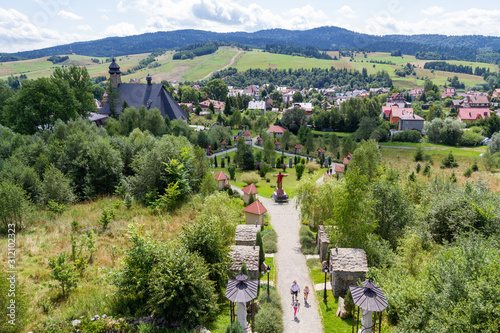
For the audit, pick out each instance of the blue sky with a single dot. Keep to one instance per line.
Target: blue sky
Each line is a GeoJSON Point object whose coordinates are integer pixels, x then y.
{"type": "Point", "coordinates": [33, 24]}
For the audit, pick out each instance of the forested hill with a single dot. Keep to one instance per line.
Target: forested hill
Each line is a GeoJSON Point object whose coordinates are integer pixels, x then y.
{"type": "Point", "coordinates": [438, 47]}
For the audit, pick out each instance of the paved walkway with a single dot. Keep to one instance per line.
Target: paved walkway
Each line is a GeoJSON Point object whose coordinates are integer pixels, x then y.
{"type": "Point", "coordinates": [291, 265]}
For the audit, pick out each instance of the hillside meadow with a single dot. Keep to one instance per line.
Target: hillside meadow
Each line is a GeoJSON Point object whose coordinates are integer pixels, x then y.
{"type": "Point", "coordinates": [201, 67]}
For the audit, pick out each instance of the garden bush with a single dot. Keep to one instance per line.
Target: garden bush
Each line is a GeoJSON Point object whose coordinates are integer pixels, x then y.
{"type": "Point", "coordinates": [269, 320]}
{"type": "Point", "coordinates": [270, 240]}
{"type": "Point", "coordinates": [299, 169]}
{"type": "Point", "coordinates": [250, 178]}
{"type": "Point", "coordinates": [469, 138]}
{"type": "Point", "coordinates": [274, 299]}
{"type": "Point", "coordinates": [307, 240]}
{"type": "Point", "coordinates": [449, 161]}
{"type": "Point", "coordinates": [312, 166]}
{"type": "Point", "coordinates": [407, 136]}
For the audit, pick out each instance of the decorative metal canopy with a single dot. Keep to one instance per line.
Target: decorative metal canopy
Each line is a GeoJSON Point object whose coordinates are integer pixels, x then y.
{"type": "Point", "coordinates": [369, 297]}
{"type": "Point", "coordinates": [241, 290]}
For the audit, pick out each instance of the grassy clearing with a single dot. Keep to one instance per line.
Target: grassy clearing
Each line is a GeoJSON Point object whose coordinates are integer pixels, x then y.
{"type": "Point", "coordinates": [317, 276]}
{"type": "Point", "coordinates": [403, 160]}
{"type": "Point", "coordinates": [266, 189]}
{"type": "Point", "coordinates": [272, 274]}
{"type": "Point", "coordinates": [49, 235]}
{"type": "Point", "coordinates": [339, 134]}
{"type": "Point", "coordinates": [332, 323]}
{"type": "Point", "coordinates": [222, 320]}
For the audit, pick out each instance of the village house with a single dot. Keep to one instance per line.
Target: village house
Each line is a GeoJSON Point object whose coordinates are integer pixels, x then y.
{"type": "Point", "coordinates": [277, 130]}
{"type": "Point", "coordinates": [477, 101]}
{"type": "Point", "coordinates": [347, 159]}
{"type": "Point", "coordinates": [449, 92]}
{"type": "Point", "coordinates": [321, 152]}
{"type": "Point", "coordinates": [218, 106]}
{"type": "Point", "coordinates": [150, 95]}
{"type": "Point", "coordinates": [416, 93]}
{"type": "Point", "coordinates": [347, 267]}
{"type": "Point", "coordinates": [411, 122]}
{"type": "Point", "coordinates": [397, 112]}
{"type": "Point", "coordinates": [305, 106]}
{"type": "Point", "coordinates": [297, 148]}
{"type": "Point", "coordinates": [257, 105]}
{"type": "Point", "coordinates": [396, 98]}
{"type": "Point", "coordinates": [495, 93]}
{"type": "Point", "coordinates": [260, 141]}
{"type": "Point", "coordinates": [247, 136]}
{"type": "Point", "coordinates": [473, 114]}
{"type": "Point", "coordinates": [223, 144]}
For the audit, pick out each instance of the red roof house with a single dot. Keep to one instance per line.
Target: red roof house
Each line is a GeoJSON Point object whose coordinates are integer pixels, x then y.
{"type": "Point", "coordinates": [472, 114]}
{"type": "Point", "coordinates": [260, 141]}
{"type": "Point", "coordinates": [221, 178]}
{"type": "Point", "coordinates": [397, 112]}
{"type": "Point", "coordinates": [347, 159]}
{"type": "Point", "coordinates": [320, 151]}
{"type": "Point", "coordinates": [254, 213]}
{"type": "Point", "coordinates": [297, 148]}
{"type": "Point", "coordinates": [276, 129]}
{"type": "Point", "coordinates": [247, 135]}
{"type": "Point", "coordinates": [277, 144]}
{"type": "Point", "coordinates": [247, 190]}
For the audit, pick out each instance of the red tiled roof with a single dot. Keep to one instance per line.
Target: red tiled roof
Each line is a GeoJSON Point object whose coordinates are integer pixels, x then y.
{"type": "Point", "coordinates": [473, 113]}
{"type": "Point", "coordinates": [255, 208]}
{"type": "Point", "coordinates": [259, 139]}
{"type": "Point", "coordinates": [277, 142]}
{"type": "Point", "coordinates": [339, 168]}
{"type": "Point", "coordinates": [298, 146]}
{"type": "Point", "coordinates": [276, 129]}
{"type": "Point", "coordinates": [250, 189]}
{"type": "Point", "coordinates": [223, 142]}
{"type": "Point", "coordinates": [220, 176]}
{"type": "Point", "coordinates": [247, 132]}
{"type": "Point", "coordinates": [321, 150]}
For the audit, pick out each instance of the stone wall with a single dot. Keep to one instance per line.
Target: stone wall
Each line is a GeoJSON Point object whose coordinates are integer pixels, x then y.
{"type": "Point", "coordinates": [245, 254]}
{"type": "Point", "coordinates": [347, 266]}
{"type": "Point", "coordinates": [323, 242]}
{"type": "Point", "coordinates": [246, 234]}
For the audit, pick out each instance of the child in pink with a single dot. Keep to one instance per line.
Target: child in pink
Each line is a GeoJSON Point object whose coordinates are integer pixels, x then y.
{"type": "Point", "coordinates": [296, 306]}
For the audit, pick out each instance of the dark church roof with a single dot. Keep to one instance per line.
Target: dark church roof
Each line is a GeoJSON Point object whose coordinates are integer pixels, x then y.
{"type": "Point", "coordinates": [150, 95]}
{"type": "Point", "coordinates": [114, 68]}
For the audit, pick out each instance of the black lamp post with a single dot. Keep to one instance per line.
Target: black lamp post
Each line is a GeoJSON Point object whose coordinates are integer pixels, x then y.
{"type": "Point", "coordinates": [325, 269]}
{"type": "Point", "coordinates": [268, 269]}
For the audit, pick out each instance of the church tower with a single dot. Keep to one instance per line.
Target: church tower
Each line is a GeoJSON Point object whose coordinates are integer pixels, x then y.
{"type": "Point", "coordinates": [115, 74]}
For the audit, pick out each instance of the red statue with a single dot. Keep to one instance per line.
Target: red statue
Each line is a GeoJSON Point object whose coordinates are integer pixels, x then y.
{"type": "Point", "coordinates": [280, 179]}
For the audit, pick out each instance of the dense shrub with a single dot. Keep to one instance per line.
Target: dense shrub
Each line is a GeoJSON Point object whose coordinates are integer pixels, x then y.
{"type": "Point", "coordinates": [312, 166]}
{"type": "Point", "coordinates": [449, 161]}
{"type": "Point", "coordinates": [14, 206]}
{"type": "Point", "coordinates": [56, 187]}
{"type": "Point", "coordinates": [407, 136]}
{"type": "Point", "coordinates": [299, 169]}
{"type": "Point", "coordinates": [250, 178]}
{"type": "Point", "coordinates": [269, 320]}
{"type": "Point", "coordinates": [307, 240]}
{"type": "Point", "coordinates": [469, 138]}
{"type": "Point", "coordinates": [270, 239]}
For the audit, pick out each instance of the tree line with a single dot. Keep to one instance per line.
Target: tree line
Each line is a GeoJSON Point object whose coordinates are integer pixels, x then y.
{"type": "Point", "coordinates": [305, 78]}
{"type": "Point", "coordinates": [309, 51]}
{"type": "Point", "coordinates": [447, 67]}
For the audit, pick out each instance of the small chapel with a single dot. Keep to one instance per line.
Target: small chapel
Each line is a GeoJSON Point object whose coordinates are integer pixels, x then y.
{"type": "Point", "coordinates": [150, 95]}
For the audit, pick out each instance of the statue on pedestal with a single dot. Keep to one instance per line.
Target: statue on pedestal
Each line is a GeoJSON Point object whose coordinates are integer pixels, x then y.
{"type": "Point", "coordinates": [279, 195]}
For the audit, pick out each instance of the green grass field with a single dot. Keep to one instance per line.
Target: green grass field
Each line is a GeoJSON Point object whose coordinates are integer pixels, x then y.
{"type": "Point", "coordinates": [199, 67]}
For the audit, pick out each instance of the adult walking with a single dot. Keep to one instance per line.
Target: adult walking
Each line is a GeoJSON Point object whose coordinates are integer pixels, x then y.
{"type": "Point", "coordinates": [294, 290]}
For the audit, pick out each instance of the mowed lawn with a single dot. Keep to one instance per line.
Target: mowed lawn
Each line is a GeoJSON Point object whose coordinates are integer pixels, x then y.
{"type": "Point", "coordinates": [266, 189]}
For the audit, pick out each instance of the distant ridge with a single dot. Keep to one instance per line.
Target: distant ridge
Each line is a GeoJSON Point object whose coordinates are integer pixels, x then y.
{"type": "Point", "coordinates": [323, 38]}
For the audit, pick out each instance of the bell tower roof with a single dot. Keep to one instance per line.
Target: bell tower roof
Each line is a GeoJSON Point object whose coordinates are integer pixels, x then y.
{"type": "Point", "coordinates": [114, 68]}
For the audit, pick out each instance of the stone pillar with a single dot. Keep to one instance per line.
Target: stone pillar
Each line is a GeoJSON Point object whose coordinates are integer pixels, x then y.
{"type": "Point", "coordinates": [241, 313]}
{"type": "Point", "coordinates": [290, 162]}
{"type": "Point", "coordinates": [366, 322]}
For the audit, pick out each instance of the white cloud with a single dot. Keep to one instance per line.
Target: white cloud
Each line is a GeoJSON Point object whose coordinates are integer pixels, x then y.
{"type": "Point", "coordinates": [221, 15]}
{"type": "Point", "coordinates": [432, 11]}
{"type": "Point", "coordinates": [68, 15]}
{"type": "Point", "coordinates": [84, 27]}
{"type": "Point", "coordinates": [120, 29]}
{"type": "Point", "coordinates": [17, 33]}
{"type": "Point", "coordinates": [461, 22]}
{"type": "Point", "coordinates": [347, 12]}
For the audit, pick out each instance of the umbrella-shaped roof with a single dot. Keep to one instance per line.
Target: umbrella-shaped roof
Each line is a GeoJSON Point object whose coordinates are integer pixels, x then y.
{"type": "Point", "coordinates": [369, 297]}
{"type": "Point", "coordinates": [241, 290]}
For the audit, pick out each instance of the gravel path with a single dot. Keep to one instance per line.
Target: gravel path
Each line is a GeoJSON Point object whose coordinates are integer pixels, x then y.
{"type": "Point", "coordinates": [291, 265]}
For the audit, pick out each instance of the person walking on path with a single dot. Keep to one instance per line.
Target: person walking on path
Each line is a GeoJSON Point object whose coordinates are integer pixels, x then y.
{"type": "Point", "coordinates": [294, 290]}
{"type": "Point", "coordinates": [306, 294]}
{"type": "Point", "coordinates": [296, 307]}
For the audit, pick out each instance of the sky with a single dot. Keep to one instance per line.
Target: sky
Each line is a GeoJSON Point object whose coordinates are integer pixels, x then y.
{"type": "Point", "coordinates": [33, 24]}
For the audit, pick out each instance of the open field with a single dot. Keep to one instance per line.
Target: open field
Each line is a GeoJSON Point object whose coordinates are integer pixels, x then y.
{"type": "Point", "coordinates": [199, 67]}
{"type": "Point", "coordinates": [48, 235]}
